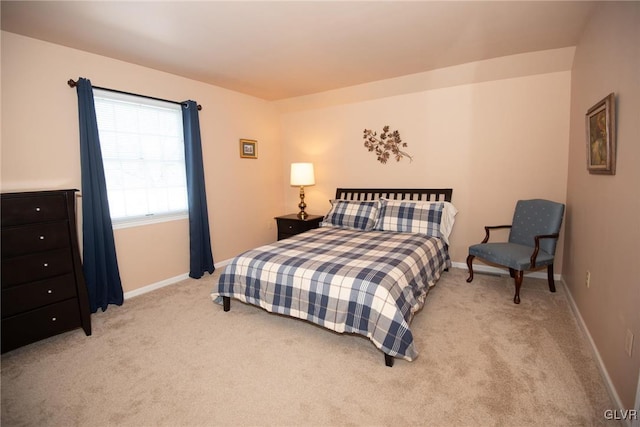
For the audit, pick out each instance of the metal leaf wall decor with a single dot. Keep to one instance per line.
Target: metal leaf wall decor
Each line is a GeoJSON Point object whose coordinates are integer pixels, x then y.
{"type": "Point", "coordinates": [386, 145]}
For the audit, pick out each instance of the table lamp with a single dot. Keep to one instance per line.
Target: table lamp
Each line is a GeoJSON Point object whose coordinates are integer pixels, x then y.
{"type": "Point", "coordinates": [302, 175]}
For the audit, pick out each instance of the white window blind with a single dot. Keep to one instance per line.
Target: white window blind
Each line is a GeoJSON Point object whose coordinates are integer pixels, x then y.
{"type": "Point", "coordinates": [143, 155]}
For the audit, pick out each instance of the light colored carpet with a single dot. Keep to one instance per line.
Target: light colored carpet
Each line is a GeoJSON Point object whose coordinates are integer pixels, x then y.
{"type": "Point", "coordinates": [171, 357]}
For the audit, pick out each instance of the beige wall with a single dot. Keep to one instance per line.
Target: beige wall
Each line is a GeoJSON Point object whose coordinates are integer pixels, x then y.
{"type": "Point", "coordinates": [602, 217]}
{"type": "Point", "coordinates": [493, 142]}
{"type": "Point", "coordinates": [40, 151]}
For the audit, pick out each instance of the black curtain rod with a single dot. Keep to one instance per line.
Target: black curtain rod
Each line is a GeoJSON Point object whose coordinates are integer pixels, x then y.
{"type": "Point", "coordinates": [73, 84]}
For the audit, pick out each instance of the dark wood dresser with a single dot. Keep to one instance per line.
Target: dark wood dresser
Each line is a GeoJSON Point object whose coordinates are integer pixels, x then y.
{"type": "Point", "coordinates": [290, 225]}
{"type": "Point", "coordinates": [43, 288]}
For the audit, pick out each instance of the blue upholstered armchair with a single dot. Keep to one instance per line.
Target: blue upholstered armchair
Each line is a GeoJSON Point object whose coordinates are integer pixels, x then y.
{"type": "Point", "coordinates": [532, 241]}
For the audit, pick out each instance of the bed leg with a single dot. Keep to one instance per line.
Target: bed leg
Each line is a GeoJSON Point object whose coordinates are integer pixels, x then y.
{"type": "Point", "coordinates": [226, 303]}
{"type": "Point", "coordinates": [388, 360]}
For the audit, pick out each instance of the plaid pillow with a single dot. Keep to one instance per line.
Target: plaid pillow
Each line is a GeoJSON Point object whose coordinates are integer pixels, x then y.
{"type": "Point", "coordinates": [410, 217]}
{"type": "Point", "coordinates": [352, 214]}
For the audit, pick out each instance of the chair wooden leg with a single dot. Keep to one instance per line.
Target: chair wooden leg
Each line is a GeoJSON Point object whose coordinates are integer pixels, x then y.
{"type": "Point", "coordinates": [512, 273]}
{"type": "Point", "coordinates": [552, 284]}
{"type": "Point", "coordinates": [470, 266]}
{"type": "Point", "coordinates": [518, 277]}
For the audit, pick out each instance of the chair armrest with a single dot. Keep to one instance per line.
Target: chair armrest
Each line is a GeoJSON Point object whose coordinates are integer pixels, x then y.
{"type": "Point", "coordinates": [487, 229]}
{"type": "Point", "coordinates": [537, 246]}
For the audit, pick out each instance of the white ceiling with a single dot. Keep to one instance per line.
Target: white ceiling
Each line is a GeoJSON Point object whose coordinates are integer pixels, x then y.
{"type": "Point", "coordinates": [282, 49]}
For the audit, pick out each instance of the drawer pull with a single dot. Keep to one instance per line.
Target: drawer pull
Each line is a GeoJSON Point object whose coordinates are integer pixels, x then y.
{"type": "Point", "coordinates": [49, 291]}
{"type": "Point", "coordinates": [37, 209]}
{"type": "Point", "coordinates": [290, 227]}
{"type": "Point", "coordinates": [46, 264]}
{"type": "Point", "coordinates": [41, 237]}
{"type": "Point", "coordinates": [53, 319]}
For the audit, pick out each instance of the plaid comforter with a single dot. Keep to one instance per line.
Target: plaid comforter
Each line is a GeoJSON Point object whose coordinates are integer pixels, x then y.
{"type": "Point", "coordinates": [366, 282]}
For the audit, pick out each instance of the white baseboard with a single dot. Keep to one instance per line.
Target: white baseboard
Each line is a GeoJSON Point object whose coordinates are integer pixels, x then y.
{"type": "Point", "coordinates": [482, 268]}
{"type": "Point", "coordinates": [603, 370]}
{"type": "Point", "coordinates": [154, 286]}
{"type": "Point", "coordinates": [166, 282]}
{"type": "Point", "coordinates": [636, 422]}
{"type": "Point", "coordinates": [222, 263]}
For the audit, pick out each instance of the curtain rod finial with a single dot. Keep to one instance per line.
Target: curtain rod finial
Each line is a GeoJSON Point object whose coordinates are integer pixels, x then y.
{"type": "Point", "coordinates": [71, 83]}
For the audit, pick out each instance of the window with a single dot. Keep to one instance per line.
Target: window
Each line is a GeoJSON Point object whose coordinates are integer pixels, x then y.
{"type": "Point", "coordinates": [143, 154]}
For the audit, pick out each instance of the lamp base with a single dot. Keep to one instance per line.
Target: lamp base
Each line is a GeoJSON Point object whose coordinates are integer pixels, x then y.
{"type": "Point", "coordinates": [302, 214]}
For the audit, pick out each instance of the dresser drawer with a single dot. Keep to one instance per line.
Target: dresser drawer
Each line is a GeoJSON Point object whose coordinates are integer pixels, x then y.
{"type": "Point", "coordinates": [25, 210]}
{"type": "Point", "coordinates": [43, 287]}
{"type": "Point", "coordinates": [34, 238]}
{"type": "Point", "coordinates": [38, 324]}
{"type": "Point", "coordinates": [42, 265]}
{"type": "Point", "coordinates": [28, 296]}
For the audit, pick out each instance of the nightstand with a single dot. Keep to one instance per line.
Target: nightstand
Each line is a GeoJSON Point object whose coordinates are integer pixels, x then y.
{"type": "Point", "coordinates": [290, 225]}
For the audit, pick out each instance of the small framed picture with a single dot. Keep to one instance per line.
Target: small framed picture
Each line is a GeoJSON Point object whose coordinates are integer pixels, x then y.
{"type": "Point", "coordinates": [601, 137]}
{"type": "Point", "coordinates": [248, 149]}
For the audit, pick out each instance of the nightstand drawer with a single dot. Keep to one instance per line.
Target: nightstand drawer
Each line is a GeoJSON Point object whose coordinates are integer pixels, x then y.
{"type": "Point", "coordinates": [38, 324]}
{"type": "Point", "coordinates": [34, 238]}
{"type": "Point", "coordinates": [26, 210]}
{"type": "Point", "coordinates": [41, 265]}
{"type": "Point", "coordinates": [288, 226]}
{"type": "Point", "coordinates": [28, 296]}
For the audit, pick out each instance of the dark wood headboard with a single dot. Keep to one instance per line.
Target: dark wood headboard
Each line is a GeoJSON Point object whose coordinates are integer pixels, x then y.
{"type": "Point", "coordinates": [426, 194]}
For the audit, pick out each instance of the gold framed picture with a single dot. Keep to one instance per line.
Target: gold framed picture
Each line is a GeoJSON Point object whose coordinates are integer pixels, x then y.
{"type": "Point", "coordinates": [601, 137]}
{"type": "Point", "coordinates": [248, 149]}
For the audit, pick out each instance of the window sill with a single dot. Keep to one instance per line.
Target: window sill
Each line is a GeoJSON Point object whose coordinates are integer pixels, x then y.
{"type": "Point", "coordinates": [147, 220]}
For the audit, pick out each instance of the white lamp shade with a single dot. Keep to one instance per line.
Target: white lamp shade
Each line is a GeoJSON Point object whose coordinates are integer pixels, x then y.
{"type": "Point", "coordinates": [302, 174]}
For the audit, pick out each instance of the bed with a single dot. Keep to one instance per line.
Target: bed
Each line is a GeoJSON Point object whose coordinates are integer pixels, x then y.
{"type": "Point", "coordinates": [367, 269]}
